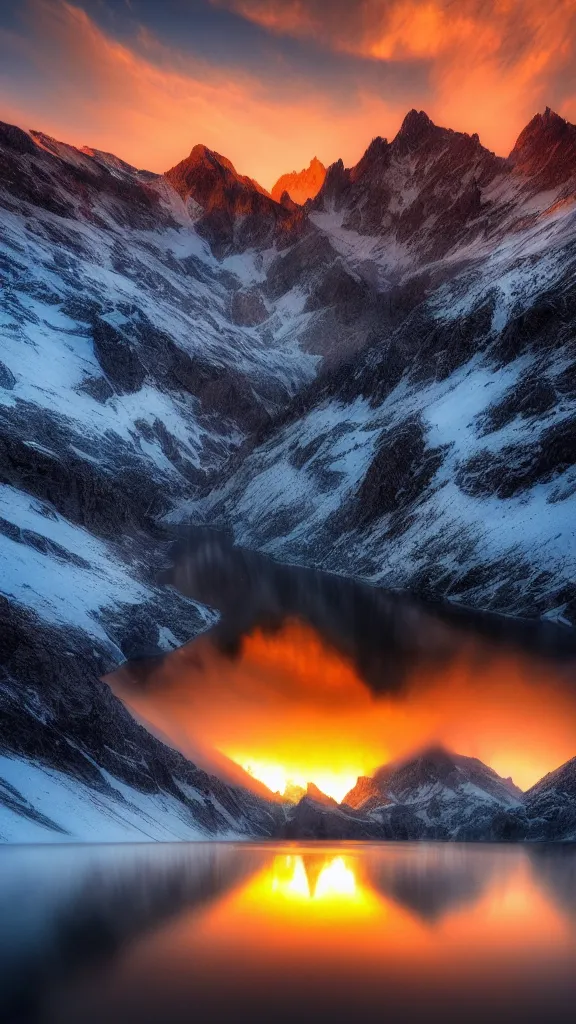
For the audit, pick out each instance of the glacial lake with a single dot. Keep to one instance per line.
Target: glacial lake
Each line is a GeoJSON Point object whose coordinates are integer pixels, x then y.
{"type": "Point", "coordinates": [263, 933]}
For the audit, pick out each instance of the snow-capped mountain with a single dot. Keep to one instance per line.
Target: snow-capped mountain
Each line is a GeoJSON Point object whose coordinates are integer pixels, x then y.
{"type": "Point", "coordinates": [382, 384]}
{"type": "Point", "coordinates": [132, 364]}
{"type": "Point", "coordinates": [441, 457]}
{"type": "Point", "coordinates": [551, 804]}
{"type": "Point", "coordinates": [301, 185]}
{"type": "Point", "coordinates": [440, 795]}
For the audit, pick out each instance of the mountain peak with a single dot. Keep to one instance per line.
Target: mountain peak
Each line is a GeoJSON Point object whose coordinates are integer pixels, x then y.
{"type": "Point", "coordinates": [416, 130]}
{"type": "Point", "coordinates": [546, 149]}
{"type": "Point", "coordinates": [416, 120]}
{"type": "Point", "coordinates": [318, 796]}
{"type": "Point", "coordinates": [301, 185]}
{"type": "Point", "coordinates": [197, 174]}
{"type": "Point", "coordinates": [543, 124]}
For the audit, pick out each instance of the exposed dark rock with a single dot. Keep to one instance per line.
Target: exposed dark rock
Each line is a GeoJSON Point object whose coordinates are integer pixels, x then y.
{"type": "Point", "coordinates": [7, 378]}
{"type": "Point", "coordinates": [83, 729]}
{"type": "Point", "coordinates": [248, 307]}
{"type": "Point", "coordinates": [551, 805]}
{"type": "Point", "coordinates": [118, 358]}
{"type": "Point", "coordinates": [399, 474]}
{"type": "Point", "coordinates": [98, 388]}
{"type": "Point", "coordinates": [532, 396]}
{"type": "Point", "coordinates": [518, 467]}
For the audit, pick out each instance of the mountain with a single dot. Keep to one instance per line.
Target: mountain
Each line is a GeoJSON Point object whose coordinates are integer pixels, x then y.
{"type": "Point", "coordinates": [381, 384]}
{"type": "Point", "coordinates": [232, 211]}
{"type": "Point", "coordinates": [311, 819]}
{"type": "Point", "coordinates": [301, 185]}
{"type": "Point", "coordinates": [128, 372]}
{"type": "Point", "coordinates": [440, 795]}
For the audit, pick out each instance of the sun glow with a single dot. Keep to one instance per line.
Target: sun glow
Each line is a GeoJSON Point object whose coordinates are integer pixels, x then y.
{"type": "Point", "coordinates": [279, 779]}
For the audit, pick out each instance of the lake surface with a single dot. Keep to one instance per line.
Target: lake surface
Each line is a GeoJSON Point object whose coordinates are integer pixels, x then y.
{"type": "Point", "coordinates": [264, 933]}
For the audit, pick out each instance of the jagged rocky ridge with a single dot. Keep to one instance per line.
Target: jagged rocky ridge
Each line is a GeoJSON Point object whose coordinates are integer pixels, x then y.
{"type": "Point", "coordinates": [442, 456]}
{"type": "Point", "coordinates": [382, 384]}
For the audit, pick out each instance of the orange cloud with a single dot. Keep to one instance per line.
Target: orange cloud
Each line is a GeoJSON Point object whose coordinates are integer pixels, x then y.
{"type": "Point", "coordinates": [474, 65]}
{"type": "Point", "coordinates": [491, 65]}
{"type": "Point", "coordinates": [150, 105]}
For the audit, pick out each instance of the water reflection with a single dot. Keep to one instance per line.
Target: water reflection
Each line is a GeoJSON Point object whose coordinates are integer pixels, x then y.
{"type": "Point", "coordinates": [276, 933]}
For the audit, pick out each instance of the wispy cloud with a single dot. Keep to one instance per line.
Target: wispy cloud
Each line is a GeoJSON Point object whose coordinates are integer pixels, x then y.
{"type": "Point", "coordinates": [150, 104]}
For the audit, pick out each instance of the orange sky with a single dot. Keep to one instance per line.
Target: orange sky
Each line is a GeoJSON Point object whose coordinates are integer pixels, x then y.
{"type": "Point", "coordinates": [290, 708]}
{"type": "Point", "coordinates": [270, 83]}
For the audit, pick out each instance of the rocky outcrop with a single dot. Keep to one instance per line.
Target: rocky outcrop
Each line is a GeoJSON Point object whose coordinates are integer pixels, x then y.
{"type": "Point", "coordinates": [58, 716]}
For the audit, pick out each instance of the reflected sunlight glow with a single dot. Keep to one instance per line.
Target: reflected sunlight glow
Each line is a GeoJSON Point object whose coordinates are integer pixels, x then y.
{"type": "Point", "coordinates": [334, 880]}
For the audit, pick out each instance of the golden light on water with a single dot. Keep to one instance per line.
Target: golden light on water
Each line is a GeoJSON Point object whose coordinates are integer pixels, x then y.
{"type": "Point", "coordinates": [335, 880]}
{"type": "Point", "coordinates": [311, 886]}
{"type": "Point", "coordinates": [339, 931]}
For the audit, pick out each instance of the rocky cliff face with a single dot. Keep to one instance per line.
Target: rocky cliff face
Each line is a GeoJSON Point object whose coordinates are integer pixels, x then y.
{"type": "Point", "coordinates": [301, 185]}
{"type": "Point", "coordinates": [233, 212]}
{"type": "Point", "coordinates": [551, 804]}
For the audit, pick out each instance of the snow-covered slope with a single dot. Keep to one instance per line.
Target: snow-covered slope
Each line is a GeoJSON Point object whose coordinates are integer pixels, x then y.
{"type": "Point", "coordinates": [551, 804]}
{"type": "Point", "coordinates": [132, 363]}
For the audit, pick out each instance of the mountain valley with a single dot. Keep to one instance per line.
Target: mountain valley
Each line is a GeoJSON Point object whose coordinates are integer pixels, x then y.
{"type": "Point", "coordinates": [379, 383]}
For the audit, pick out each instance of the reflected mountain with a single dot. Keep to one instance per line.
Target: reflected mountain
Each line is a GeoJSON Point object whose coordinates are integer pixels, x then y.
{"type": "Point", "coordinates": [384, 633]}
{"type": "Point", "coordinates": [554, 867]}
{"type": "Point", "coordinates": [431, 881]}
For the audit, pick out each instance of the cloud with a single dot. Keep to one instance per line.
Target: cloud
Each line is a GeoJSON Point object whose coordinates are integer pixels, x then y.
{"type": "Point", "coordinates": [302, 77]}
{"type": "Point", "coordinates": [150, 103]}
{"type": "Point", "coordinates": [492, 63]}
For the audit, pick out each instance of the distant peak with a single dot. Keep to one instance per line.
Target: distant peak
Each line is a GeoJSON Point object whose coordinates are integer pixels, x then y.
{"type": "Point", "coordinates": [550, 115]}
{"type": "Point", "coordinates": [434, 751]}
{"type": "Point", "coordinates": [544, 122]}
{"type": "Point", "coordinates": [417, 129]}
{"type": "Point", "coordinates": [200, 154]}
{"type": "Point", "coordinates": [318, 796]}
{"type": "Point", "coordinates": [377, 146]}
{"type": "Point", "coordinates": [415, 121]}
